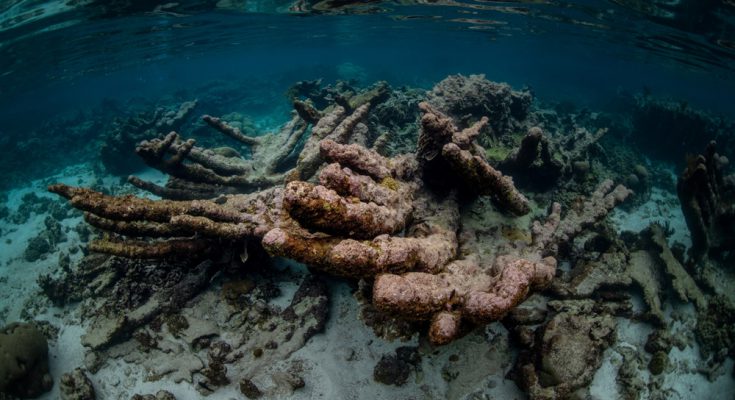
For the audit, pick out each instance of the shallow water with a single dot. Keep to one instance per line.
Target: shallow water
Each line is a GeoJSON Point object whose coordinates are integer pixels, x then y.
{"type": "Point", "coordinates": [76, 76]}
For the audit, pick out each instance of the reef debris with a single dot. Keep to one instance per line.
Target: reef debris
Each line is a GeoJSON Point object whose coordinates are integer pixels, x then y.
{"type": "Point", "coordinates": [707, 199]}
{"type": "Point", "coordinates": [24, 368]}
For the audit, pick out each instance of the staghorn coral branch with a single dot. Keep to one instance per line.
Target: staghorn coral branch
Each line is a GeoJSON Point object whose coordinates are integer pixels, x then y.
{"type": "Point", "coordinates": [135, 228]}
{"type": "Point", "coordinates": [235, 217]}
{"type": "Point", "coordinates": [165, 249]}
{"type": "Point", "coordinates": [123, 208]}
{"type": "Point", "coordinates": [174, 190]}
{"type": "Point", "coordinates": [482, 291]}
{"type": "Point", "coordinates": [428, 251]}
{"type": "Point", "coordinates": [230, 130]}
{"type": "Point", "coordinates": [601, 202]}
{"type": "Point", "coordinates": [324, 209]}
{"type": "Point", "coordinates": [336, 126]}
{"type": "Point", "coordinates": [476, 172]}
{"type": "Point", "coordinates": [293, 131]}
{"type": "Point", "coordinates": [442, 146]}
{"type": "Point", "coordinates": [356, 157]}
{"type": "Point", "coordinates": [307, 112]}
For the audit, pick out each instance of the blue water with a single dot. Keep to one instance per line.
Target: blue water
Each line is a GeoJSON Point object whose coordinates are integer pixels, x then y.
{"type": "Point", "coordinates": [585, 51]}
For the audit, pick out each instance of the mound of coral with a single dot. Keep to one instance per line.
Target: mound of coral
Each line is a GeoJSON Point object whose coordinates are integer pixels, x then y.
{"type": "Point", "coordinates": [454, 209]}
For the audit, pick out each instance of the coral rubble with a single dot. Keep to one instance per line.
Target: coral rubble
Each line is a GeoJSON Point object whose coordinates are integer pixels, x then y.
{"type": "Point", "coordinates": [24, 369]}
{"type": "Point", "coordinates": [442, 237]}
{"type": "Point", "coordinates": [76, 385]}
{"type": "Point", "coordinates": [708, 201]}
{"type": "Point", "coordinates": [125, 133]}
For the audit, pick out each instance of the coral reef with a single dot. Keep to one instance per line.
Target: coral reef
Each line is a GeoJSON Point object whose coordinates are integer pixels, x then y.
{"type": "Point", "coordinates": [24, 370]}
{"type": "Point", "coordinates": [348, 224]}
{"type": "Point", "coordinates": [441, 238]}
{"type": "Point", "coordinates": [666, 129]}
{"type": "Point", "coordinates": [708, 201]}
{"type": "Point", "coordinates": [76, 385]}
{"type": "Point", "coordinates": [465, 98]}
{"type": "Point", "coordinates": [569, 351]}
{"type": "Point", "coordinates": [126, 133]}
{"type": "Point", "coordinates": [462, 157]}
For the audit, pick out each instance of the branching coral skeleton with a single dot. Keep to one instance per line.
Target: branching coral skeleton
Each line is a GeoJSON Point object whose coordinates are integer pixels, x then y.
{"type": "Point", "coordinates": [366, 216]}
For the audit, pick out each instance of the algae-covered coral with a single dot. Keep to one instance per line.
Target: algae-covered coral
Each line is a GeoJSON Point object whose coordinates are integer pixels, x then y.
{"type": "Point", "coordinates": [443, 240]}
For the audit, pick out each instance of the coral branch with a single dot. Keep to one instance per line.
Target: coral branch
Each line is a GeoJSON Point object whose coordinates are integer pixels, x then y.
{"type": "Point", "coordinates": [230, 131]}
{"type": "Point", "coordinates": [164, 249]}
{"type": "Point", "coordinates": [708, 203]}
{"type": "Point", "coordinates": [481, 291]}
{"type": "Point", "coordinates": [479, 174]}
{"type": "Point", "coordinates": [336, 126]}
{"type": "Point", "coordinates": [428, 251]}
{"type": "Point", "coordinates": [466, 159]}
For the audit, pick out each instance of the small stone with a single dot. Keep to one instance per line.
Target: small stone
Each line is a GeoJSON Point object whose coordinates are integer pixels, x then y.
{"type": "Point", "coordinates": [165, 395]}
{"type": "Point", "coordinates": [658, 363]}
{"type": "Point", "coordinates": [409, 354]}
{"type": "Point", "coordinates": [257, 353]}
{"type": "Point", "coordinates": [249, 389]}
{"type": "Point", "coordinates": [390, 370]}
{"type": "Point", "coordinates": [76, 386]}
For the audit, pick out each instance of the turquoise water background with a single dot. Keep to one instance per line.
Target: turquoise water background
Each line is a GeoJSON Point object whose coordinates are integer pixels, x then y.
{"type": "Point", "coordinates": [586, 51]}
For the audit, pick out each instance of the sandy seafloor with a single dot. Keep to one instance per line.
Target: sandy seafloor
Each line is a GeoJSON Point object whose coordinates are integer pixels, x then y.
{"type": "Point", "coordinates": [338, 363]}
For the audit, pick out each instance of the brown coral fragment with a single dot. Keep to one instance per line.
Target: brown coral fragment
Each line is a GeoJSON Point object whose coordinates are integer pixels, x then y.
{"type": "Point", "coordinates": [708, 203]}
{"type": "Point", "coordinates": [479, 174]}
{"type": "Point", "coordinates": [324, 209]}
{"type": "Point", "coordinates": [429, 250]}
{"type": "Point", "coordinates": [483, 291]}
{"type": "Point", "coordinates": [184, 225]}
{"type": "Point", "coordinates": [208, 172]}
{"type": "Point", "coordinates": [684, 286]}
{"type": "Point", "coordinates": [141, 249]}
{"type": "Point", "coordinates": [568, 352]}
{"type": "Point", "coordinates": [230, 130]}
{"type": "Point", "coordinates": [338, 126]}
{"type": "Point", "coordinates": [460, 153]}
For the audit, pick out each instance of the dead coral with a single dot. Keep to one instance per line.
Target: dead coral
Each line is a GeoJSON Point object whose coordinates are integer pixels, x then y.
{"type": "Point", "coordinates": [76, 385]}
{"type": "Point", "coordinates": [708, 201]}
{"type": "Point", "coordinates": [203, 172]}
{"type": "Point", "coordinates": [542, 159]}
{"type": "Point", "coordinates": [443, 148]}
{"type": "Point", "coordinates": [24, 369]}
{"type": "Point", "coordinates": [715, 332]}
{"type": "Point", "coordinates": [126, 133]}
{"type": "Point", "coordinates": [339, 126]}
{"type": "Point", "coordinates": [369, 216]}
{"type": "Point", "coordinates": [465, 98]}
{"type": "Point", "coordinates": [234, 217]}
{"type": "Point", "coordinates": [568, 350]}
{"type": "Point", "coordinates": [485, 290]}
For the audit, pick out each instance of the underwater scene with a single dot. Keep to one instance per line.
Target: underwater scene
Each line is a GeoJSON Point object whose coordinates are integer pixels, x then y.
{"type": "Point", "coordinates": [340, 199]}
